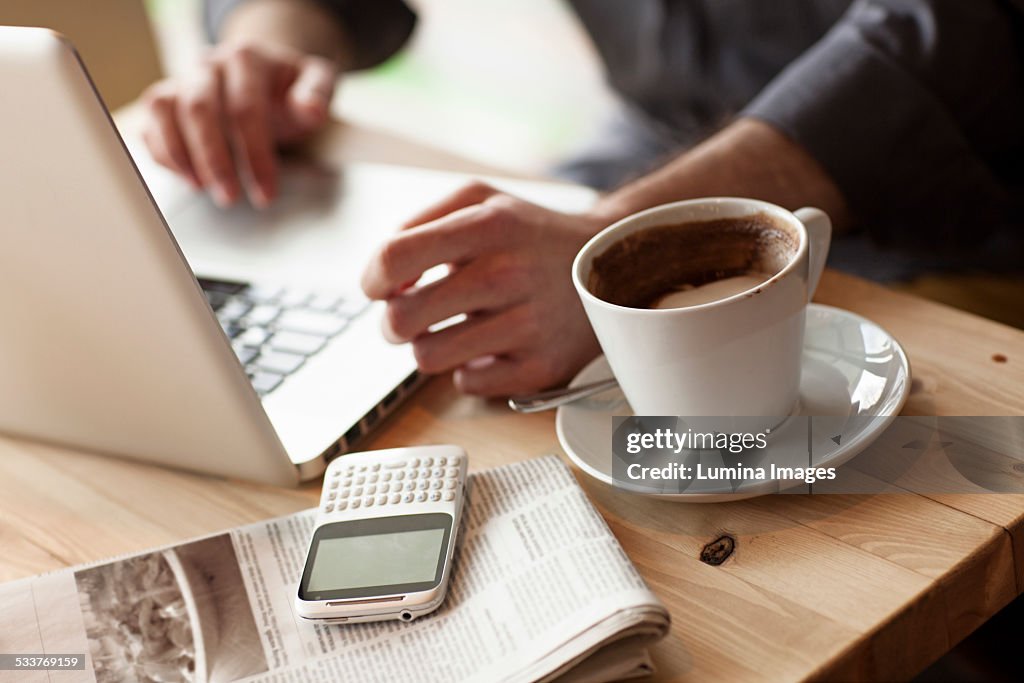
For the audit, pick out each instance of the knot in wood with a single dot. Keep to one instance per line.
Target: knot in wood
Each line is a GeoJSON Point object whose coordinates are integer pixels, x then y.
{"type": "Point", "coordinates": [718, 551]}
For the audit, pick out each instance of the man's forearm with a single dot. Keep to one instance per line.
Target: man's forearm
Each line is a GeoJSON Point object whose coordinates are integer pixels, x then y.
{"type": "Point", "coordinates": [301, 25]}
{"type": "Point", "coordinates": [747, 159]}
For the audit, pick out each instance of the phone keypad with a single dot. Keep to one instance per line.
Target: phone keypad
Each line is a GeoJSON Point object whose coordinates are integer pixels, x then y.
{"type": "Point", "coordinates": [371, 485]}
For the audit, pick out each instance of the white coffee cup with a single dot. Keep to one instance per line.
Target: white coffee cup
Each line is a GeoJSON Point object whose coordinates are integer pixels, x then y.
{"type": "Point", "coordinates": [737, 356]}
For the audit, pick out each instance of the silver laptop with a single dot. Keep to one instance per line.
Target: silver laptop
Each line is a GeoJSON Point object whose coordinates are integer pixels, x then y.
{"type": "Point", "coordinates": [262, 367]}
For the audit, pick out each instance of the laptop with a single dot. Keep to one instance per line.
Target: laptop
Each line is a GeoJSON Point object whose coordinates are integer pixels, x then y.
{"type": "Point", "coordinates": [233, 343]}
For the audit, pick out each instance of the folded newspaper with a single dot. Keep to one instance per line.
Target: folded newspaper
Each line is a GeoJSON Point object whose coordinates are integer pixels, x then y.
{"type": "Point", "coordinates": [541, 591]}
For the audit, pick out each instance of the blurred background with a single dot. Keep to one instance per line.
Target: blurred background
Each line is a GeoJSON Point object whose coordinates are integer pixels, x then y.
{"type": "Point", "coordinates": [520, 98]}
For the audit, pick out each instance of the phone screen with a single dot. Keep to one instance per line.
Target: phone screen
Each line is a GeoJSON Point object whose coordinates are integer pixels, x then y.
{"type": "Point", "coordinates": [373, 560]}
{"type": "Point", "coordinates": [376, 556]}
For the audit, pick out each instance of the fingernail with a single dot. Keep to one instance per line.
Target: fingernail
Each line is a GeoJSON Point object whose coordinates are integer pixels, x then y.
{"type": "Point", "coordinates": [314, 106]}
{"type": "Point", "coordinates": [314, 96]}
{"type": "Point", "coordinates": [221, 196]}
{"type": "Point", "coordinates": [260, 199]}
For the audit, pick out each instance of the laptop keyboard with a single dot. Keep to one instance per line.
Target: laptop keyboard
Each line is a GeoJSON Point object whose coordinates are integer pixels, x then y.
{"type": "Point", "coordinates": [275, 330]}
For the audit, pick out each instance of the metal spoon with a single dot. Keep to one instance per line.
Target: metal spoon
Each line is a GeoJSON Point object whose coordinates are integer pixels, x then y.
{"type": "Point", "coordinates": [546, 400]}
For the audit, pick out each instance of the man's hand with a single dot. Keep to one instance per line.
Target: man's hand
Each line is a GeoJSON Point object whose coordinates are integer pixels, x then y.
{"type": "Point", "coordinates": [509, 274]}
{"type": "Point", "coordinates": [220, 126]}
{"type": "Point", "coordinates": [510, 261]}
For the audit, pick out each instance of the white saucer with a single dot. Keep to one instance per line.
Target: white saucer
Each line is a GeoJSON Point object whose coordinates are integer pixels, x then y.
{"type": "Point", "coordinates": [854, 381]}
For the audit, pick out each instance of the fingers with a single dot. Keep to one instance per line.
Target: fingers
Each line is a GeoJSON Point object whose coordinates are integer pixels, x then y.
{"type": "Point", "coordinates": [524, 328]}
{"type": "Point", "coordinates": [477, 337]}
{"type": "Point", "coordinates": [484, 285]}
{"type": "Point", "coordinates": [456, 238]}
{"type": "Point", "coordinates": [162, 136]}
{"type": "Point", "coordinates": [543, 362]}
{"type": "Point", "coordinates": [248, 118]}
{"type": "Point", "coordinates": [201, 116]}
{"type": "Point", "coordinates": [473, 193]}
{"type": "Point", "coordinates": [220, 126]}
{"type": "Point", "coordinates": [309, 98]}
{"type": "Point", "coordinates": [494, 376]}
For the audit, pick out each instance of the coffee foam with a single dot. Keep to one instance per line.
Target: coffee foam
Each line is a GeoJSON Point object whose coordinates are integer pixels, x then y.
{"type": "Point", "coordinates": [641, 268]}
{"type": "Point", "coordinates": [712, 291]}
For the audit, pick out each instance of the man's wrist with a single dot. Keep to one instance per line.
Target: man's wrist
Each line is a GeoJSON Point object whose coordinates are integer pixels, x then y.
{"type": "Point", "coordinates": [748, 159]}
{"type": "Point", "coordinates": [609, 209]}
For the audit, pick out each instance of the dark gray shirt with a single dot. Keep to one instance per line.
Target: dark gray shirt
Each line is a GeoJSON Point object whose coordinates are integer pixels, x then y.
{"type": "Point", "coordinates": [914, 107]}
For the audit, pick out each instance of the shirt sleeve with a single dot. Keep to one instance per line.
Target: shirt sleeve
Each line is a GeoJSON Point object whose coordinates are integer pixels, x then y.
{"type": "Point", "coordinates": [910, 106]}
{"type": "Point", "coordinates": [378, 28]}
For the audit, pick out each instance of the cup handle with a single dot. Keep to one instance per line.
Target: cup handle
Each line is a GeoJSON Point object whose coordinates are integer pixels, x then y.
{"type": "Point", "coordinates": [819, 236]}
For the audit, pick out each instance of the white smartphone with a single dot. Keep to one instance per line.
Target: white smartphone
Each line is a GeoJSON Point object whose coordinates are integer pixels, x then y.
{"type": "Point", "coordinates": [385, 535]}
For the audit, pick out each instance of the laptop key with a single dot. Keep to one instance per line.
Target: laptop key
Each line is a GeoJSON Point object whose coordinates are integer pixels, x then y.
{"type": "Point", "coordinates": [311, 322]}
{"type": "Point", "coordinates": [265, 382]}
{"type": "Point", "coordinates": [323, 302]}
{"type": "Point", "coordinates": [231, 329]}
{"type": "Point", "coordinates": [233, 309]}
{"type": "Point", "coordinates": [352, 306]}
{"type": "Point", "coordinates": [262, 315]}
{"type": "Point", "coordinates": [280, 362]}
{"type": "Point", "coordinates": [246, 354]}
{"type": "Point", "coordinates": [254, 336]}
{"type": "Point", "coordinates": [297, 342]}
{"type": "Point", "coordinates": [293, 298]}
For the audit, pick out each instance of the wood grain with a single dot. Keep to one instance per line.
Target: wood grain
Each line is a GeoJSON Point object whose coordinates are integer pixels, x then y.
{"type": "Point", "coordinates": [951, 352]}
{"type": "Point", "coordinates": [822, 587]}
{"type": "Point", "coordinates": [961, 364]}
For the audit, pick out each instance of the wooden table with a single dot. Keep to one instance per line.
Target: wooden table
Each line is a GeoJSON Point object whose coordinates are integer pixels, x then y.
{"type": "Point", "coordinates": [837, 587]}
